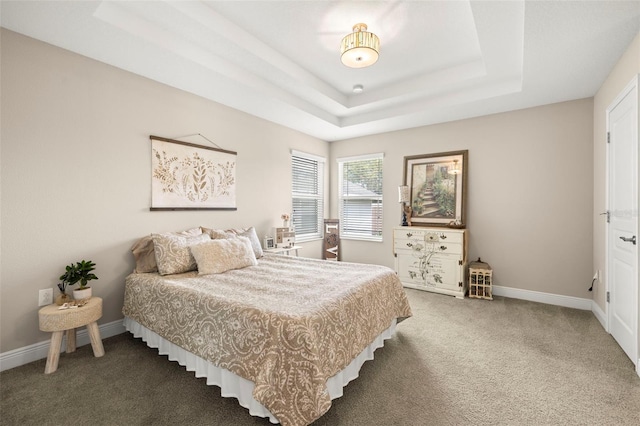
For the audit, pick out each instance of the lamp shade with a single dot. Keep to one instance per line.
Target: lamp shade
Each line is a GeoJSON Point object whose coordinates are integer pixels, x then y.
{"type": "Point", "coordinates": [403, 194]}
{"type": "Point", "coordinates": [455, 169]}
{"type": "Point", "coordinates": [360, 48]}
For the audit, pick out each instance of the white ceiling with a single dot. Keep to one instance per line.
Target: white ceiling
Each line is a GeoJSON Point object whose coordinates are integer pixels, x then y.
{"type": "Point", "coordinates": [279, 60]}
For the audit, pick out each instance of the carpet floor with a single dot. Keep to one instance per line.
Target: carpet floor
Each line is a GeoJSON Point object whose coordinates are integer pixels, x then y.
{"type": "Point", "coordinates": [455, 362]}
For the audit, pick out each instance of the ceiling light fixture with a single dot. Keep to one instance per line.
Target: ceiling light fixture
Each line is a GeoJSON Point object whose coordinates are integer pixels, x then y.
{"type": "Point", "coordinates": [360, 48]}
{"type": "Point", "coordinates": [358, 88]}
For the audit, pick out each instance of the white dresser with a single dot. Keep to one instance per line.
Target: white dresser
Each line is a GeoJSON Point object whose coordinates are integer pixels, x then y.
{"type": "Point", "coordinates": [432, 259]}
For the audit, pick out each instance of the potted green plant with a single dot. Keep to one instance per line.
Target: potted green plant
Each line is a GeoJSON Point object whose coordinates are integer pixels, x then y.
{"type": "Point", "coordinates": [78, 273]}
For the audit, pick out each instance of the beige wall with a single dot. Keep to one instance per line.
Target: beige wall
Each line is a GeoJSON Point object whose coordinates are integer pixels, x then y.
{"type": "Point", "coordinates": [625, 70]}
{"type": "Point", "coordinates": [530, 187]}
{"type": "Point", "coordinates": [76, 165]}
{"type": "Point", "coordinates": [76, 173]}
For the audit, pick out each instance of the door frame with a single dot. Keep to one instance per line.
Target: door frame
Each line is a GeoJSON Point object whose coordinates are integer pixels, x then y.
{"type": "Point", "coordinates": [633, 84]}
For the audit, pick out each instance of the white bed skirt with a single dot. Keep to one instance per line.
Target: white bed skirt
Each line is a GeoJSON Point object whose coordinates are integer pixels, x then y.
{"type": "Point", "coordinates": [233, 386]}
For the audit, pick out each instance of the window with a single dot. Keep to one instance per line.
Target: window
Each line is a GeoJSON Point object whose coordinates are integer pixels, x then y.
{"type": "Point", "coordinates": [360, 197]}
{"type": "Point", "coordinates": [307, 195]}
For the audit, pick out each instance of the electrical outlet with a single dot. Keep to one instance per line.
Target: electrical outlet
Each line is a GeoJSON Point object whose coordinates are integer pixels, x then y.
{"type": "Point", "coordinates": [45, 297]}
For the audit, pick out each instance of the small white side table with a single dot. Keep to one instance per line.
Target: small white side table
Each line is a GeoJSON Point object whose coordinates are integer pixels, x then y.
{"type": "Point", "coordinates": [285, 250]}
{"type": "Point", "coordinates": [58, 321]}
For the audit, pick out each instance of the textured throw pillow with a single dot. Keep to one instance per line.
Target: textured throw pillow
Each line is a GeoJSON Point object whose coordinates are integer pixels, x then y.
{"type": "Point", "coordinates": [221, 255]}
{"type": "Point", "coordinates": [144, 254]}
{"type": "Point", "coordinates": [216, 234]}
{"type": "Point", "coordinates": [250, 233]}
{"type": "Point", "coordinates": [255, 242]}
{"type": "Point", "coordinates": [172, 252]}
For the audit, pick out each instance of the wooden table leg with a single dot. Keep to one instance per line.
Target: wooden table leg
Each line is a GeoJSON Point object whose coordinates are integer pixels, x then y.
{"type": "Point", "coordinates": [96, 341]}
{"type": "Point", "coordinates": [71, 340]}
{"type": "Point", "coordinates": [54, 352]}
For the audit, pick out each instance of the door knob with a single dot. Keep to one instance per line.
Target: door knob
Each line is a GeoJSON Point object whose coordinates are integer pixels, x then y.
{"type": "Point", "coordinates": [629, 240]}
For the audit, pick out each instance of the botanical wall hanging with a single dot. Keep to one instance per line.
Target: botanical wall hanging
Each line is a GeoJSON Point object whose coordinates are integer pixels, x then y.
{"type": "Point", "coordinates": [186, 176]}
{"type": "Point", "coordinates": [437, 188]}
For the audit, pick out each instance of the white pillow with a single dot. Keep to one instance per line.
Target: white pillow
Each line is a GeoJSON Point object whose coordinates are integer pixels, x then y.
{"type": "Point", "coordinates": [172, 252]}
{"type": "Point", "coordinates": [218, 256]}
{"type": "Point", "coordinates": [250, 233]}
{"type": "Point", "coordinates": [243, 232]}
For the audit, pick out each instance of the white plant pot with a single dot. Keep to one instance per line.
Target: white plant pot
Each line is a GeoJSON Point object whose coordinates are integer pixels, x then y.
{"type": "Point", "coordinates": [82, 294]}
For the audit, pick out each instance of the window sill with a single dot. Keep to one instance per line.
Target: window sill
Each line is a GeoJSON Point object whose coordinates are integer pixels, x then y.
{"type": "Point", "coordinates": [352, 238]}
{"type": "Point", "coordinates": [307, 238]}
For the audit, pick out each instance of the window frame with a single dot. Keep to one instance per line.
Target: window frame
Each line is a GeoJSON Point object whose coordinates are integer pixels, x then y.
{"type": "Point", "coordinates": [341, 198]}
{"type": "Point", "coordinates": [319, 196]}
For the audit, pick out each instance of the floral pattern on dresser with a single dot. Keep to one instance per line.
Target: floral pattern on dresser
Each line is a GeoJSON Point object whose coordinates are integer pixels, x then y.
{"type": "Point", "coordinates": [430, 259]}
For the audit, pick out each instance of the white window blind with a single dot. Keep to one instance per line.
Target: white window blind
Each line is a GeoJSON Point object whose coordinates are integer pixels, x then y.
{"type": "Point", "coordinates": [360, 197]}
{"type": "Point", "coordinates": [307, 195]}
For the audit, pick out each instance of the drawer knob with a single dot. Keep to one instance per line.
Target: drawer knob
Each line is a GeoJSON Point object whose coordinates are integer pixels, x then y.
{"type": "Point", "coordinates": [443, 248]}
{"type": "Point", "coordinates": [443, 237]}
{"type": "Point", "coordinates": [409, 235]}
{"type": "Point", "coordinates": [409, 245]}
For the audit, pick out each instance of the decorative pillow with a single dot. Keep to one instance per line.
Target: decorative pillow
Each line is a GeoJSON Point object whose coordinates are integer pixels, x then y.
{"type": "Point", "coordinates": [144, 254]}
{"type": "Point", "coordinates": [255, 241]}
{"type": "Point", "coordinates": [172, 252]}
{"type": "Point", "coordinates": [216, 234]}
{"type": "Point", "coordinates": [232, 233]}
{"type": "Point", "coordinates": [221, 255]}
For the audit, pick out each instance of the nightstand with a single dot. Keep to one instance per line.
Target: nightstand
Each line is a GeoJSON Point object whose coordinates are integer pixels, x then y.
{"type": "Point", "coordinates": [57, 321]}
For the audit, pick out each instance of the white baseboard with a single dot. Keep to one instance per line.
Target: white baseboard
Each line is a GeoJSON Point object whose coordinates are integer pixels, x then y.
{"type": "Point", "coordinates": [548, 298]}
{"type": "Point", "coordinates": [600, 315]}
{"type": "Point", "coordinates": [27, 354]}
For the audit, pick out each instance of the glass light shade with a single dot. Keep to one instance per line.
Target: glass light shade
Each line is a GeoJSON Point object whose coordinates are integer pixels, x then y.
{"type": "Point", "coordinates": [455, 170]}
{"type": "Point", "coordinates": [360, 48]}
{"type": "Point", "coordinates": [403, 194]}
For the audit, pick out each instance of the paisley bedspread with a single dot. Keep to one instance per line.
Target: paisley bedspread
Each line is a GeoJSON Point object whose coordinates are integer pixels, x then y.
{"type": "Point", "coordinates": [287, 324]}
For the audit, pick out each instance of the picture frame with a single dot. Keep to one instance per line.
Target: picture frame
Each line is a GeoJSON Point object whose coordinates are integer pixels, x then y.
{"type": "Point", "coordinates": [268, 243]}
{"type": "Point", "coordinates": [437, 188]}
{"type": "Point", "coordinates": [186, 176]}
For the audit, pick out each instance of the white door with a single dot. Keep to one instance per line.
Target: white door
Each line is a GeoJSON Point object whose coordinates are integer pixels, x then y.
{"type": "Point", "coordinates": [623, 227]}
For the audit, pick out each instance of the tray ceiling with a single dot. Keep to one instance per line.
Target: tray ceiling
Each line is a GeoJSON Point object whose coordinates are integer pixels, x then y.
{"type": "Point", "coordinates": [279, 60]}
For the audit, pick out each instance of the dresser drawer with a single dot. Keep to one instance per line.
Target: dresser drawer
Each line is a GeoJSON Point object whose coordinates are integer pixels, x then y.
{"type": "Point", "coordinates": [408, 244]}
{"type": "Point", "coordinates": [421, 245]}
{"type": "Point", "coordinates": [445, 235]}
{"type": "Point", "coordinates": [408, 233]}
{"type": "Point", "coordinates": [445, 248]}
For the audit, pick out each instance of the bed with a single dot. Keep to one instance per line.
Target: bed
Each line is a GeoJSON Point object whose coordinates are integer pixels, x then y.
{"type": "Point", "coordinates": [282, 335]}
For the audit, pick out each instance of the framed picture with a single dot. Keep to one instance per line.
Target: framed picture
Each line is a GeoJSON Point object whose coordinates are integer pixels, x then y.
{"type": "Point", "coordinates": [268, 243]}
{"type": "Point", "coordinates": [437, 188]}
{"type": "Point", "coordinates": [186, 176]}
